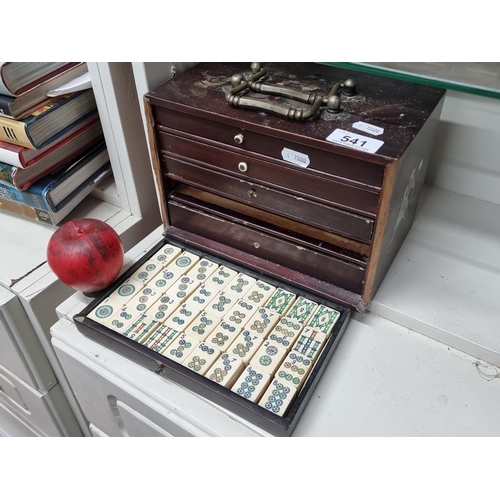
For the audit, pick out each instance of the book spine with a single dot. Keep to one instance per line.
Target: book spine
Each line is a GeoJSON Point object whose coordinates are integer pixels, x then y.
{"type": "Point", "coordinates": [30, 199]}
{"type": "Point", "coordinates": [14, 132]}
{"type": "Point", "coordinates": [32, 213]}
{"type": "Point", "coordinates": [10, 156]}
{"type": "Point", "coordinates": [5, 106]}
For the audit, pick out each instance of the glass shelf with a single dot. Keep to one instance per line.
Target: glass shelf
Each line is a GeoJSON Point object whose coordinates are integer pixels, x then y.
{"type": "Point", "coordinates": [479, 78]}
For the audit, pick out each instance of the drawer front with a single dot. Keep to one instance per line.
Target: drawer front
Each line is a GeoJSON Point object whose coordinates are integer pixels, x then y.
{"type": "Point", "coordinates": [239, 235]}
{"type": "Point", "coordinates": [274, 201]}
{"type": "Point", "coordinates": [350, 170]}
{"type": "Point", "coordinates": [294, 180]}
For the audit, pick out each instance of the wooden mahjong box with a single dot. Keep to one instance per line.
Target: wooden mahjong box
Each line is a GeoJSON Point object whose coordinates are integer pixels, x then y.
{"type": "Point", "coordinates": [286, 191]}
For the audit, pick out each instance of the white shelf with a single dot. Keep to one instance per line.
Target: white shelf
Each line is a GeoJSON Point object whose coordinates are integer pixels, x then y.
{"type": "Point", "coordinates": [445, 279]}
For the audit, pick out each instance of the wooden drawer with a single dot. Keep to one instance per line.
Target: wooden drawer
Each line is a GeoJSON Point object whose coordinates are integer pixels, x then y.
{"type": "Point", "coordinates": [275, 201]}
{"type": "Point", "coordinates": [345, 168]}
{"type": "Point", "coordinates": [322, 188]}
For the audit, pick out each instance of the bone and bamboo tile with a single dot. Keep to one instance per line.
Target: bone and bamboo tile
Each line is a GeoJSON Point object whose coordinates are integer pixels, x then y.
{"type": "Point", "coordinates": [324, 319]}
{"type": "Point", "coordinates": [166, 254]}
{"type": "Point", "coordinates": [221, 304]}
{"type": "Point", "coordinates": [201, 358]}
{"type": "Point", "coordinates": [241, 313]}
{"type": "Point", "coordinates": [126, 291]}
{"type": "Point", "coordinates": [122, 321]}
{"type": "Point", "coordinates": [161, 338]}
{"type": "Point", "coordinates": [245, 345]}
{"type": "Point", "coordinates": [309, 343]}
{"type": "Point", "coordinates": [252, 383]}
{"type": "Point", "coordinates": [182, 317]}
{"type": "Point", "coordinates": [286, 332]}
{"type": "Point", "coordinates": [281, 300]}
{"type": "Point", "coordinates": [294, 369]}
{"type": "Point", "coordinates": [240, 284]}
{"type": "Point", "coordinates": [302, 310]}
{"type": "Point", "coordinates": [269, 356]}
{"type": "Point", "coordinates": [223, 335]}
{"type": "Point", "coordinates": [226, 369]}
{"type": "Point", "coordinates": [180, 348]}
{"type": "Point", "coordinates": [147, 271]}
{"type": "Point", "coordinates": [259, 293]}
{"type": "Point", "coordinates": [142, 329]}
{"type": "Point", "coordinates": [221, 277]}
{"type": "Point", "coordinates": [202, 326]}
{"type": "Point", "coordinates": [163, 280]}
{"type": "Point", "coordinates": [143, 300]}
{"type": "Point", "coordinates": [277, 397]}
{"type": "Point", "coordinates": [184, 262]}
{"type": "Point", "coordinates": [183, 288]}
{"type": "Point", "coordinates": [203, 269]}
{"type": "Point", "coordinates": [263, 321]}
{"type": "Point", "coordinates": [105, 310]}
{"type": "Point", "coordinates": [162, 308]}
{"type": "Point", "coordinates": [202, 296]}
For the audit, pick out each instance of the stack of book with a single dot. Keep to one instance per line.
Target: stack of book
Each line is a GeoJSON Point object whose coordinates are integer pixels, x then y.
{"type": "Point", "coordinates": [52, 150]}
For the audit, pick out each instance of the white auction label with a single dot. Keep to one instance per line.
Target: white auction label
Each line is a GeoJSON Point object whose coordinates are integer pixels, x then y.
{"type": "Point", "coordinates": [299, 159]}
{"type": "Point", "coordinates": [366, 127]}
{"type": "Point", "coordinates": [355, 141]}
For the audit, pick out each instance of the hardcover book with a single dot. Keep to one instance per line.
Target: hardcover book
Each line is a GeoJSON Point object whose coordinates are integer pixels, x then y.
{"type": "Point", "coordinates": [73, 147]}
{"type": "Point", "coordinates": [19, 77]}
{"type": "Point", "coordinates": [47, 123]}
{"type": "Point", "coordinates": [51, 189]}
{"type": "Point", "coordinates": [22, 105]}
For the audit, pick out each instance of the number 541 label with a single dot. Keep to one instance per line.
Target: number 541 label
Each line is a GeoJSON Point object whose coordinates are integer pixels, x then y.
{"type": "Point", "coordinates": [355, 141]}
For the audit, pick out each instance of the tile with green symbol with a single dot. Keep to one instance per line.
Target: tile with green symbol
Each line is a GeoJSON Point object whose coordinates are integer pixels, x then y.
{"type": "Point", "coordinates": [203, 269]}
{"type": "Point", "coordinates": [269, 356]}
{"type": "Point", "coordinates": [302, 309]}
{"type": "Point", "coordinates": [201, 358]}
{"type": "Point", "coordinates": [278, 397]}
{"type": "Point", "coordinates": [202, 326]}
{"type": "Point", "coordinates": [226, 369]}
{"type": "Point", "coordinates": [263, 321]}
{"type": "Point", "coordinates": [166, 254]}
{"type": "Point", "coordinates": [221, 304]}
{"type": "Point", "coordinates": [123, 320]}
{"type": "Point", "coordinates": [180, 348]}
{"type": "Point", "coordinates": [240, 284]}
{"type": "Point", "coordinates": [309, 343]}
{"type": "Point", "coordinates": [223, 335]}
{"type": "Point", "coordinates": [202, 296]}
{"type": "Point", "coordinates": [221, 277]}
{"type": "Point", "coordinates": [182, 317]}
{"type": "Point", "coordinates": [259, 293]}
{"type": "Point", "coordinates": [147, 271]}
{"type": "Point", "coordinates": [184, 262]}
{"type": "Point", "coordinates": [241, 313]}
{"type": "Point", "coordinates": [245, 345]}
{"type": "Point", "coordinates": [161, 338]}
{"type": "Point", "coordinates": [324, 319]}
{"type": "Point", "coordinates": [126, 291]}
{"type": "Point", "coordinates": [163, 307]}
{"type": "Point", "coordinates": [142, 329]}
{"type": "Point", "coordinates": [294, 369]}
{"type": "Point", "coordinates": [281, 301]}
{"type": "Point", "coordinates": [165, 279]}
{"type": "Point", "coordinates": [105, 310]}
{"type": "Point", "coordinates": [286, 332]}
{"type": "Point", "coordinates": [142, 301]}
{"type": "Point", "coordinates": [183, 288]}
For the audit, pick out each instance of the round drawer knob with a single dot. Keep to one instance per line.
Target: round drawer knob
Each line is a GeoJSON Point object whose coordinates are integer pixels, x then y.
{"type": "Point", "coordinates": [238, 139]}
{"type": "Point", "coordinates": [242, 166]}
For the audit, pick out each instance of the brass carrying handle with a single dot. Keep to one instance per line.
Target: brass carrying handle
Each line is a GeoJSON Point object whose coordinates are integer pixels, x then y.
{"type": "Point", "coordinates": [241, 86]}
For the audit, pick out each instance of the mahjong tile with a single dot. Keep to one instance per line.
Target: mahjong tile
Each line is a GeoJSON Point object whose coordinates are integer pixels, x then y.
{"type": "Point", "coordinates": [281, 301]}
{"type": "Point", "coordinates": [147, 271]}
{"type": "Point", "coordinates": [184, 262]}
{"type": "Point", "coordinates": [286, 332]}
{"type": "Point", "coordinates": [278, 397]}
{"type": "Point", "coordinates": [126, 291]}
{"type": "Point", "coordinates": [123, 321]}
{"type": "Point", "coordinates": [223, 335]}
{"type": "Point", "coordinates": [105, 310]}
{"type": "Point", "coordinates": [240, 284]}
{"type": "Point", "coordinates": [309, 343]}
{"type": "Point", "coordinates": [302, 309]}
{"type": "Point", "coordinates": [164, 307]}
{"type": "Point", "coordinates": [294, 369]}
{"type": "Point", "coordinates": [166, 254]}
{"type": "Point", "coordinates": [182, 317]}
{"type": "Point", "coordinates": [142, 301]}
{"type": "Point", "coordinates": [180, 348]}
{"type": "Point", "coordinates": [260, 293]}
{"type": "Point", "coordinates": [269, 356]}
{"type": "Point", "coordinates": [263, 321]}
{"type": "Point", "coordinates": [142, 329]}
{"type": "Point", "coordinates": [221, 304]}
{"type": "Point", "coordinates": [252, 383]}
{"type": "Point", "coordinates": [183, 288]}
{"type": "Point", "coordinates": [241, 313]}
{"type": "Point", "coordinates": [202, 326]}
{"type": "Point", "coordinates": [202, 296]}
{"type": "Point", "coordinates": [226, 369]}
{"type": "Point", "coordinates": [203, 270]}
{"type": "Point", "coordinates": [161, 338]}
{"type": "Point", "coordinates": [222, 277]}
{"type": "Point", "coordinates": [201, 358]}
{"type": "Point", "coordinates": [324, 319]}
{"type": "Point", "coordinates": [245, 345]}
{"type": "Point", "coordinates": [165, 279]}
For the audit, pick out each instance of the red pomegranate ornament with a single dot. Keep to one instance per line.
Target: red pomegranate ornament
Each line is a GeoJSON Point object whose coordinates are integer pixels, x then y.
{"type": "Point", "coordinates": [86, 254]}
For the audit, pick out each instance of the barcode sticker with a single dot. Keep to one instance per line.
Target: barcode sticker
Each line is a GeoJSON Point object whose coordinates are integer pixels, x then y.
{"type": "Point", "coordinates": [370, 129]}
{"type": "Point", "coordinates": [355, 141]}
{"type": "Point", "coordinates": [299, 159]}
